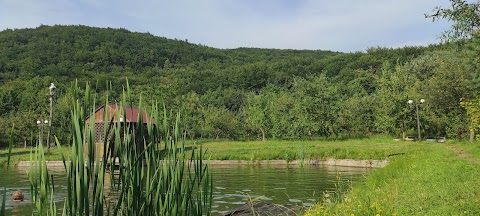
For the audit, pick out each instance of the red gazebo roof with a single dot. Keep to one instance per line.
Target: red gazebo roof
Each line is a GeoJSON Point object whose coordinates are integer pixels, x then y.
{"type": "Point", "coordinates": [131, 114]}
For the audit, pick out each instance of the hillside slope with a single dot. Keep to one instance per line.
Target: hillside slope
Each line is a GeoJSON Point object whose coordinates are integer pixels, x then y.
{"type": "Point", "coordinates": [232, 93]}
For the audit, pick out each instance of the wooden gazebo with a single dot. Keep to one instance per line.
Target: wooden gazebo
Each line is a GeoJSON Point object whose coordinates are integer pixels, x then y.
{"type": "Point", "coordinates": [116, 115]}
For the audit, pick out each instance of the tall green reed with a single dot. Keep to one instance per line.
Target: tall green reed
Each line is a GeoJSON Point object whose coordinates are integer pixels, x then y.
{"type": "Point", "coordinates": [40, 183]}
{"type": "Point", "coordinates": [144, 169]}
{"type": "Point", "coordinates": [10, 144]}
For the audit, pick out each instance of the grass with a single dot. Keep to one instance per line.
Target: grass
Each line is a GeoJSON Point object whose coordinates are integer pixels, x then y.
{"type": "Point", "coordinates": [23, 154]}
{"type": "Point", "coordinates": [429, 180]}
{"type": "Point", "coordinates": [378, 147]}
{"type": "Point", "coordinates": [473, 149]}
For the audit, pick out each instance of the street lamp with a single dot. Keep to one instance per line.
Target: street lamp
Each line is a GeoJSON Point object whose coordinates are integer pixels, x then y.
{"type": "Point", "coordinates": [418, 116]}
{"type": "Point", "coordinates": [122, 135]}
{"type": "Point", "coordinates": [42, 124]}
{"type": "Point", "coordinates": [52, 93]}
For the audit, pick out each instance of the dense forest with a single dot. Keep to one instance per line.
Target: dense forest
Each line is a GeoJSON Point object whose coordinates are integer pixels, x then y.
{"type": "Point", "coordinates": [244, 93]}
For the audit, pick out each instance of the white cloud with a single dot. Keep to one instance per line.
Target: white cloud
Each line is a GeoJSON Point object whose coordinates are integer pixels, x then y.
{"type": "Point", "coordinates": [342, 25]}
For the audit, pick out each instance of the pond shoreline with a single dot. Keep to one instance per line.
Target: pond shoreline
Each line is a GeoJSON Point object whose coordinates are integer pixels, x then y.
{"type": "Point", "coordinates": [328, 162]}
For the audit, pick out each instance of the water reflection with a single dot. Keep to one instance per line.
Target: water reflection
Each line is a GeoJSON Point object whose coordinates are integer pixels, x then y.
{"type": "Point", "coordinates": [17, 179]}
{"type": "Point", "coordinates": [285, 185]}
{"type": "Point", "coordinates": [234, 185]}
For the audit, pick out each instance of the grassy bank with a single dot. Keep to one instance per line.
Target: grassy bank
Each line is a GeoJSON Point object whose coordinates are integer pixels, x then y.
{"type": "Point", "coordinates": [431, 179]}
{"type": "Point", "coordinates": [23, 154]}
{"type": "Point", "coordinates": [377, 147]}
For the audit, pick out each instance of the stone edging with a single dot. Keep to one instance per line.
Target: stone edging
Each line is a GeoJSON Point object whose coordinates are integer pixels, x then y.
{"type": "Point", "coordinates": [329, 162]}
{"type": "Point", "coordinates": [49, 164]}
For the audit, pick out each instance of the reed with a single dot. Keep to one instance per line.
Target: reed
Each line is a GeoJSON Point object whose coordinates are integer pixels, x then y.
{"type": "Point", "coordinates": [40, 183]}
{"type": "Point", "coordinates": [2, 208]}
{"type": "Point", "coordinates": [144, 170]}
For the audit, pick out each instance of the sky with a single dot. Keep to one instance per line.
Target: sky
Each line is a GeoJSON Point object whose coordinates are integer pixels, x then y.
{"type": "Point", "coordinates": [337, 25]}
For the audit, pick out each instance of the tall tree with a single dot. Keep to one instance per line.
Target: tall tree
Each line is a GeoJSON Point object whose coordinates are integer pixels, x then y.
{"type": "Point", "coordinates": [473, 112]}
{"type": "Point", "coordinates": [255, 113]}
{"type": "Point", "coordinates": [316, 103]}
{"type": "Point", "coordinates": [465, 16]}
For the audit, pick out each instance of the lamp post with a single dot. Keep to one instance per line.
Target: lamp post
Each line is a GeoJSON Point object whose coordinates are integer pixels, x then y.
{"type": "Point", "coordinates": [418, 116]}
{"type": "Point", "coordinates": [122, 128]}
{"type": "Point", "coordinates": [42, 124]}
{"type": "Point", "coordinates": [52, 93]}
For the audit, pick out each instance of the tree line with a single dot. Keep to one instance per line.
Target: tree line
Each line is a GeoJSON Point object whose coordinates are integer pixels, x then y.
{"type": "Point", "coordinates": [244, 93]}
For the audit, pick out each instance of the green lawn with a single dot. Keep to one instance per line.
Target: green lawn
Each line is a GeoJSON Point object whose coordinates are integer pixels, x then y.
{"type": "Point", "coordinates": [377, 147]}
{"type": "Point", "coordinates": [429, 180]}
{"type": "Point", "coordinates": [367, 148]}
{"type": "Point", "coordinates": [23, 154]}
{"type": "Point", "coordinates": [471, 149]}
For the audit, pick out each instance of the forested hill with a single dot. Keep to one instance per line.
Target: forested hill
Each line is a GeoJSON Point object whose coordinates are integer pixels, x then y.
{"type": "Point", "coordinates": [69, 50]}
{"type": "Point", "coordinates": [230, 93]}
{"type": "Point", "coordinates": [80, 51]}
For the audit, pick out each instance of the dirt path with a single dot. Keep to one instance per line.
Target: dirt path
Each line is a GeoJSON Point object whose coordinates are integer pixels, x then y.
{"type": "Point", "coordinates": [464, 155]}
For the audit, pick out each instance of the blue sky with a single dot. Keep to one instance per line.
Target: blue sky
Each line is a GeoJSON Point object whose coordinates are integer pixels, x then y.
{"type": "Point", "coordinates": [340, 25]}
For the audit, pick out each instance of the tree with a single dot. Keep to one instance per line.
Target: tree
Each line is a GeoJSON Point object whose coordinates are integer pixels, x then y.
{"type": "Point", "coordinates": [316, 104]}
{"type": "Point", "coordinates": [279, 107]}
{"type": "Point", "coordinates": [218, 121]}
{"type": "Point", "coordinates": [473, 111]}
{"type": "Point", "coordinates": [25, 130]}
{"type": "Point", "coordinates": [269, 92]}
{"type": "Point", "coordinates": [444, 91]}
{"type": "Point", "coordinates": [464, 15]}
{"type": "Point", "coordinates": [190, 111]}
{"type": "Point", "coordinates": [254, 112]}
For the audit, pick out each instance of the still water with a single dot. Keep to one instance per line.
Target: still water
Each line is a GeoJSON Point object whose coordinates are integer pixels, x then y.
{"type": "Point", "coordinates": [234, 185]}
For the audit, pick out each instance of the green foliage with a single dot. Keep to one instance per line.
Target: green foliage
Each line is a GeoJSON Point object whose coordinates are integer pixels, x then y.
{"type": "Point", "coordinates": [218, 122]}
{"type": "Point", "coordinates": [4, 197]}
{"type": "Point", "coordinates": [471, 51]}
{"type": "Point", "coordinates": [243, 93]}
{"type": "Point", "coordinates": [473, 112]}
{"type": "Point", "coordinates": [150, 172]}
{"type": "Point", "coordinates": [41, 187]}
{"type": "Point", "coordinates": [464, 15]}
{"type": "Point", "coordinates": [316, 106]}
{"type": "Point", "coordinates": [255, 113]}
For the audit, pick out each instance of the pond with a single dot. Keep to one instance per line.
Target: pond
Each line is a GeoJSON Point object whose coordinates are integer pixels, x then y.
{"type": "Point", "coordinates": [234, 185]}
